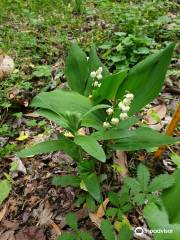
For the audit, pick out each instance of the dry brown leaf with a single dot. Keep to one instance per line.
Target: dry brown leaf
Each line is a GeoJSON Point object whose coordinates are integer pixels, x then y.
{"type": "Point", "coordinates": [3, 212]}
{"type": "Point", "coordinates": [97, 217]}
{"type": "Point", "coordinates": [45, 215]}
{"type": "Point", "coordinates": [96, 220]}
{"type": "Point", "coordinates": [55, 227]}
{"type": "Point", "coordinates": [159, 110]}
{"type": "Point", "coordinates": [120, 159]}
{"type": "Point", "coordinates": [102, 208]}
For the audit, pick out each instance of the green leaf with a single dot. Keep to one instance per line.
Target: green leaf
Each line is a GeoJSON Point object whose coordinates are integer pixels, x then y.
{"type": "Point", "coordinates": [142, 138]}
{"type": "Point", "coordinates": [91, 146]}
{"type": "Point", "coordinates": [90, 203]}
{"type": "Point", "coordinates": [143, 176]}
{"type": "Point", "coordinates": [94, 63]}
{"type": "Point", "coordinates": [80, 200]}
{"type": "Point", "coordinates": [125, 233]}
{"type": "Point", "coordinates": [67, 236]}
{"type": "Point", "coordinates": [133, 184]}
{"type": "Point", "coordinates": [5, 188]}
{"type": "Point", "coordinates": [113, 133]}
{"type": "Point", "coordinates": [65, 181]}
{"type": "Point", "coordinates": [145, 80]}
{"type": "Point", "coordinates": [139, 199]}
{"type": "Point", "coordinates": [157, 218]}
{"type": "Point", "coordinates": [114, 198]}
{"type": "Point", "coordinates": [95, 108]}
{"type": "Point", "coordinates": [90, 179]}
{"type": "Point", "coordinates": [161, 182]}
{"type": "Point", "coordinates": [111, 212]}
{"type": "Point", "coordinates": [72, 221]}
{"type": "Point", "coordinates": [171, 198]}
{"type": "Point", "coordinates": [85, 235]}
{"type": "Point", "coordinates": [43, 147]}
{"type": "Point", "coordinates": [63, 144]}
{"type": "Point", "coordinates": [76, 69]}
{"type": "Point", "coordinates": [176, 159]}
{"type": "Point", "coordinates": [61, 102]}
{"type": "Point", "coordinates": [52, 116]}
{"type": "Point", "coordinates": [107, 230]}
{"type": "Point", "coordinates": [109, 86]}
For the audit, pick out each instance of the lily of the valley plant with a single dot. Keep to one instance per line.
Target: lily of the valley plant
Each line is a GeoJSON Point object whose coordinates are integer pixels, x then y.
{"type": "Point", "coordinates": [105, 105]}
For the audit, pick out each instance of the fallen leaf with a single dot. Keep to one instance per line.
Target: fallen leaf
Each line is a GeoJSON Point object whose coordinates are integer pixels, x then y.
{"type": "Point", "coordinates": [22, 136]}
{"type": "Point", "coordinates": [3, 212]}
{"type": "Point", "coordinates": [45, 215]}
{"type": "Point", "coordinates": [55, 227]}
{"type": "Point", "coordinates": [96, 220]}
{"type": "Point", "coordinates": [120, 163]}
{"type": "Point", "coordinates": [97, 217]}
{"type": "Point", "coordinates": [156, 114]}
{"type": "Point", "coordinates": [102, 208]}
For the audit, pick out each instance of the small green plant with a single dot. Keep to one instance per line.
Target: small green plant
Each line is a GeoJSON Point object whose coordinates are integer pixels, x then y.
{"type": "Point", "coordinates": [165, 215]}
{"type": "Point", "coordinates": [77, 234]}
{"type": "Point", "coordinates": [42, 71]}
{"type": "Point", "coordinates": [105, 104]}
{"type": "Point", "coordinates": [141, 190]}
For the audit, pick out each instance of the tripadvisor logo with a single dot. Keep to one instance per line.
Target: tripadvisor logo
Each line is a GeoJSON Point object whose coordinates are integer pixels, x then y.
{"type": "Point", "coordinates": [141, 231]}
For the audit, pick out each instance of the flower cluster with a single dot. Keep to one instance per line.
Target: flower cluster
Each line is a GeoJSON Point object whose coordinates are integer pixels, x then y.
{"type": "Point", "coordinates": [124, 107]}
{"type": "Point", "coordinates": [98, 75]}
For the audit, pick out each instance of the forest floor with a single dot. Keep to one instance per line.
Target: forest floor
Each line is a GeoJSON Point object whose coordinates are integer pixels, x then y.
{"type": "Point", "coordinates": [37, 35]}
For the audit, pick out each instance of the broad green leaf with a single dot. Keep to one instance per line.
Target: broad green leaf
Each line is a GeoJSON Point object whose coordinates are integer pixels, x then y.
{"type": "Point", "coordinates": [91, 146]}
{"type": "Point", "coordinates": [60, 102]}
{"type": "Point", "coordinates": [145, 80]}
{"type": "Point", "coordinates": [109, 86]}
{"type": "Point", "coordinates": [143, 176]}
{"type": "Point", "coordinates": [64, 181]}
{"type": "Point", "coordinates": [5, 188]}
{"type": "Point", "coordinates": [107, 230]}
{"type": "Point", "coordinates": [161, 182]}
{"type": "Point", "coordinates": [94, 63]}
{"type": "Point", "coordinates": [92, 183]}
{"type": "Point", "coordinates": [157, 218]}
{"type": "Point", "coordinates": [63, 144]}
{"type": "Point", "coordinates": [72, 221]}
{"type": "Point", "coordinates": [113, 133]}
{"type": "Point", "coordinates": [171, 198]}
{"type": "Point", "coordinates": [90, 179]}
{"type": "Point", "coordinates": [76, 69]}
{"type": "Point", "coordinates": [95, 108]}
{"type": "Point", "coordinates": [52, 116]}
{"type": "Point", "coordinates": [142, 138]}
